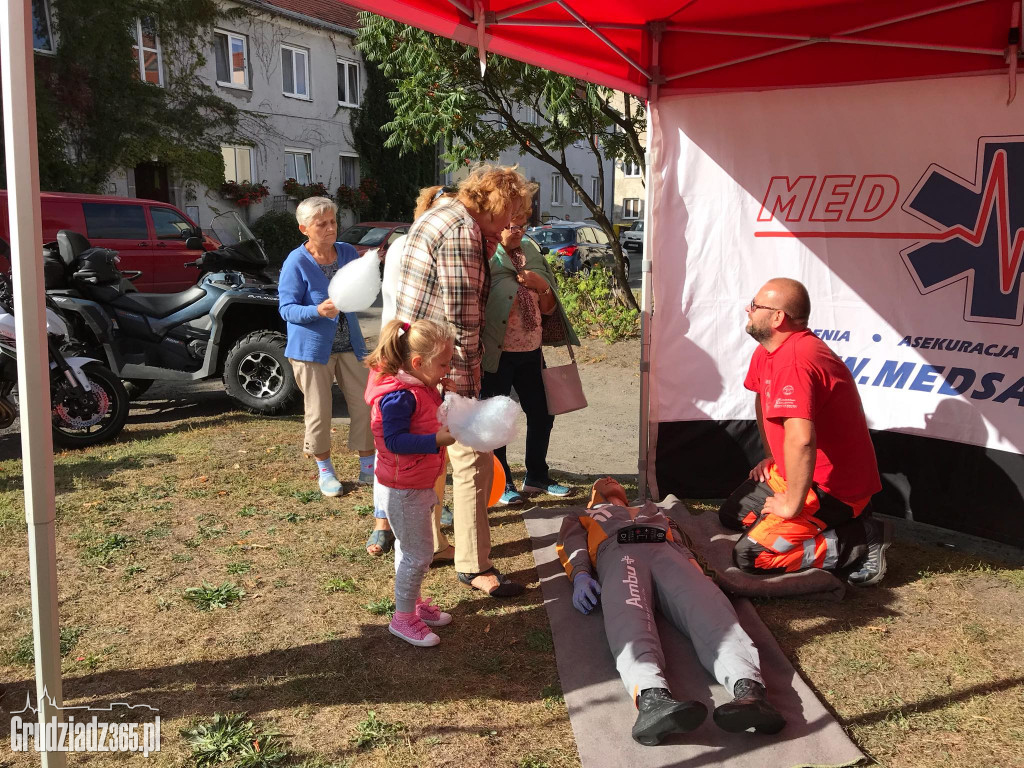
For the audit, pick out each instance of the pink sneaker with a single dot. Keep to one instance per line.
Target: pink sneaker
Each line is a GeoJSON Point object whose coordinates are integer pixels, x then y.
{"type": "Point", "coordinates": [430, 614]}
{"type": "Point", "coordinates": [410, 628]}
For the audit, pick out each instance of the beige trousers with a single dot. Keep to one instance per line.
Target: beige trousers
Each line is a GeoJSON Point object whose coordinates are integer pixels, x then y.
{"type": "Point", "coordinates": [472, 475]}
{"type": "Point", "coordinates": [315, 380]}
{"type": "Point", "coordinates": [440, 540]}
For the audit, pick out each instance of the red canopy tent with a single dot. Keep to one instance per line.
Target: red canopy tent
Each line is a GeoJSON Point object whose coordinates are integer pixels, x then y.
{"type": "Point", "coordinates": [652, 47]}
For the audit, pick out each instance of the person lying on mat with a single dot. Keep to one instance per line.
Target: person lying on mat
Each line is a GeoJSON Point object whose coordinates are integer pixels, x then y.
{"type": "Point", "coordinates": [639, 561]}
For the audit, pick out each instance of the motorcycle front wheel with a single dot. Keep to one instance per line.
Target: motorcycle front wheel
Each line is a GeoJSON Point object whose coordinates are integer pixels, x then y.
{"type": "Point", "coordinates": [95, 416]}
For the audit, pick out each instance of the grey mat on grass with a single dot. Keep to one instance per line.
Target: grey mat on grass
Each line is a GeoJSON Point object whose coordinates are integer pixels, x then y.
{"type": "Point", "coordinates": [601, 713]}
{"type": "Point", "coordinates": [713, 544]}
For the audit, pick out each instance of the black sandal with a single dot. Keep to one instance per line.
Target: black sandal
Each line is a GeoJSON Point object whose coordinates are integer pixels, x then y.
{"type": "Point", "coordinates": [505, 587]}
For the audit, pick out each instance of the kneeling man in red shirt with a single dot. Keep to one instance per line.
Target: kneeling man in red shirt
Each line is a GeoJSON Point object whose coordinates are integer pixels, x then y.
{"type": "Point", "coordinates": [806, 505]}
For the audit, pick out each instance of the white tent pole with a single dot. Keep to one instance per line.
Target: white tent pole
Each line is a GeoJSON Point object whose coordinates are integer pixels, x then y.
{"type": "Point", "coordinates": [645, 276]}
{"type": "Point", "coordinates": [19, 99]}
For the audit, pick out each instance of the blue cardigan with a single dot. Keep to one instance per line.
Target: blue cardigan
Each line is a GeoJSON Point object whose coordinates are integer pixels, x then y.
{"type": "Point", "coordinates": [301, 288]}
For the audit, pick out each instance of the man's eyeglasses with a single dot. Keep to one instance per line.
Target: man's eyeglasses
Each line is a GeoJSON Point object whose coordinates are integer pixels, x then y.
{"type": "Point", "coordinates": [753, 307]}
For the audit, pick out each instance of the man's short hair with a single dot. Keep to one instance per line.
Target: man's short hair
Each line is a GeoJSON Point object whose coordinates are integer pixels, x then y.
{"type": "Point", "coordinates": [794, 299]}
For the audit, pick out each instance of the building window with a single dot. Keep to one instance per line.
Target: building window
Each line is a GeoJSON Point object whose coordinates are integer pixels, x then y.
{"type": "Point", "coordinates": [295, 71]}
{"type": "Point", "coordinates": [556, 189]}
{"type": "Point", "coordinates": [146, 51]}
{"type": "Point", "coordinates": [42, 36]}
{"type": "Point", "coordinates": [231, 52]}
{"type": "Point", "coordinates": [595, 189]}
{"type": "Point", "coordinates": [632, 208]}
{"type": "Point", "coordinates": [348, 83]}
{"type": "Point", "coordinates": [237, 163]}
{"type": "Point", "coordinates": [631, 169]}
{"type": "Point", "coordinates": [529, 115]}
{"type": "Point", "coordinates": [349, 170]}
{"type": "Point", "coordinates": [298, 165]}
{"type": "Point", "coordinates": [576, 195]}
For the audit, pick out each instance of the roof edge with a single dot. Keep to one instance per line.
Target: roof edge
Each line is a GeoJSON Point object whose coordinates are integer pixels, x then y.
{"type": "Point", "coordinates": [312, 21]}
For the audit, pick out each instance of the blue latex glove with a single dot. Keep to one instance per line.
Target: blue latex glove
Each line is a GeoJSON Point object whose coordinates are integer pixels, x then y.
{"type": "Point", "coordinates": [586, 592]}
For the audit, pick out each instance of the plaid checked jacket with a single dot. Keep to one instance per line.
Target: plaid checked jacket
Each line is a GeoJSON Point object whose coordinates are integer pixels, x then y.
{"type": "Point", "coordinates": [443, 275]}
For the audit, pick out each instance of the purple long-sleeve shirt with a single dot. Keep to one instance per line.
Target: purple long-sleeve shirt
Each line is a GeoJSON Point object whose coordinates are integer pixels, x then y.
{"type": "Point", "coordinates": [396, 410]}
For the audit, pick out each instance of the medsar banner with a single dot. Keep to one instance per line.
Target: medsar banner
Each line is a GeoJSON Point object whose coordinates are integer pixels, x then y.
{"type": "Point", "coordinates": [901, 207]}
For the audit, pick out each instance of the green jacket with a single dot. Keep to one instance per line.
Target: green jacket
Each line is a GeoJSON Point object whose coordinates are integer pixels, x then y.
{"type": "Point", "coordinates": [503, 292]}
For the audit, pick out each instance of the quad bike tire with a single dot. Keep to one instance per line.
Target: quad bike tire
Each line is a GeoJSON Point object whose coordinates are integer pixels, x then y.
{"type": "Point", "coordinates": [258, 376]}
{"type": "Point", "coordinates": [75, 425]}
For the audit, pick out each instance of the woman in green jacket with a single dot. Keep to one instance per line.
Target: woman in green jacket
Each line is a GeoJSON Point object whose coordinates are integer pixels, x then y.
{"type": "Point", "coordinates": [523, 289]}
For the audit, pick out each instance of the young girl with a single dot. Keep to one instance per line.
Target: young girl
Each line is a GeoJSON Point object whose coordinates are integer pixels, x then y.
{"type": "Point", "coordinates": [405, 369]}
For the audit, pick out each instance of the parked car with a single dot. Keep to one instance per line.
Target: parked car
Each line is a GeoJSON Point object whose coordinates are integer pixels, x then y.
{"type": "Point", "coordinates": [149, 236]}
{"type": "Point", "coordinates": [632, 239]}
{"type": "Point", "coordinates": [374, 234]}
{"type": "Point", "coordinates": [580, 245]}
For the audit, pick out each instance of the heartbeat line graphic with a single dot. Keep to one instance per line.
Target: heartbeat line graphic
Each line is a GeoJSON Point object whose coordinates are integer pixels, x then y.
{"type": "Point", "coordinates": [996, 195]}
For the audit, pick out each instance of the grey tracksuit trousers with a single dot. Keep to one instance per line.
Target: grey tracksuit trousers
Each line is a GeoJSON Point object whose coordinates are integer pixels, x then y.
{"type": "Point", "coordinates": [637, 577]}
{"type": "Point", "coordinates": [409, 513]}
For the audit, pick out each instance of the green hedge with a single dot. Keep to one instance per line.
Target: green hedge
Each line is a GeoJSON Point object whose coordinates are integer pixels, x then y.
{"type": "Point", "coordinates": [591, 306]}
{"type": "Point", "coordinates": [280, 235]}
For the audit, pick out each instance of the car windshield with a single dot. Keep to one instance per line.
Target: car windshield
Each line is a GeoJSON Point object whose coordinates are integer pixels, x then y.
{"type": "Point", "coordinates": [360, 234]}
{"type": "Point", "coordinates": [550, 236]}
{"type": "Point", "coordinates": [638, 226]}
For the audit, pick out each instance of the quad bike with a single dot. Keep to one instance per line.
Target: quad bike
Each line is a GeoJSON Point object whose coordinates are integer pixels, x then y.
{"type": "Point", "coordinates": [226, 325]}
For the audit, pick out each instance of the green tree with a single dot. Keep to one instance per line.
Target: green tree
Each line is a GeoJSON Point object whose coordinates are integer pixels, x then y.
{"type": "Point", "coordinates": [94, 114]}
{"type": "Point", "coordinates": [397, 175]}
{"type": "Point", "coordinates": [442, 98]}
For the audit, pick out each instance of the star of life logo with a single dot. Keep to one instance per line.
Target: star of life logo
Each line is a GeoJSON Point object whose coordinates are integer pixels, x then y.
{"type": "Point", "coordinates": [975, 234]}
{"type": "Point", "coordinates": [982, 223]}
{"type": "Point", "coordinates": [117, 727]}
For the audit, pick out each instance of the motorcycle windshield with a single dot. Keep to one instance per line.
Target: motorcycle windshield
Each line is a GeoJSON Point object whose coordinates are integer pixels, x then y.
{"type": "Point", "coordinates": [238, 239]}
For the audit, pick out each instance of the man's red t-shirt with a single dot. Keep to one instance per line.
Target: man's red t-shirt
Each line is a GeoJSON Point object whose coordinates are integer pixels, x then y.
{"type": "Point", "coordinates": [803, 378]}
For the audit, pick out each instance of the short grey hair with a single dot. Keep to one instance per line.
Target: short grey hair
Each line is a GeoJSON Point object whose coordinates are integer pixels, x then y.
{"type": "Point", "coordinates": [314, 207]}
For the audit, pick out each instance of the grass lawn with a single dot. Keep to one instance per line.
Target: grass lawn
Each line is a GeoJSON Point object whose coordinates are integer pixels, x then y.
{"type": "Point", "coordinates": [156, 534]}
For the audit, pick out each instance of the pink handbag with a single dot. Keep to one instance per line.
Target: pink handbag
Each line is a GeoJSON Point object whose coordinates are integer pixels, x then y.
{"type": "Point", "coordinates": [563, 386]}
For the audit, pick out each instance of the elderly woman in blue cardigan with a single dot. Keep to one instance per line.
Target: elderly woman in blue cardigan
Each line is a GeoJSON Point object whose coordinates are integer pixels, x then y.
{"type": "Point", "coordinates": [325, 345]}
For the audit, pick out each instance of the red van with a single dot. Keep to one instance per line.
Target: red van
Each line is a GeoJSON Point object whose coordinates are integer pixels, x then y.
{"type": "Point", "coordinates": [148, 235]}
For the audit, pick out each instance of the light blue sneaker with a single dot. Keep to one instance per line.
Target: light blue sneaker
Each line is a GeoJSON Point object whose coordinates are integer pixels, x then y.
{"type": "Point", "coordinates": [447, 517]}
{"type": "Point", "coordinates": [511, 497]}
{"type": "Point", "coordinates": [329, 485]}
{"type": "Point", "coordinates": [549, 487]}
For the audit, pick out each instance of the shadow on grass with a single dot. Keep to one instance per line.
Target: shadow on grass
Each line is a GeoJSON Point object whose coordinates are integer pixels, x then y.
{"type": "Point", "coordinates": [369, 667]}
{"type": "Point", "coordinates": [937, 702]}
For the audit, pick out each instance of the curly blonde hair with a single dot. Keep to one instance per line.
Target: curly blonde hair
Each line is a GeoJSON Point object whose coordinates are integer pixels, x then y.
{"type": "Point", "coordinates": [429, 196]}
{"type": "Point", "coordinates": [498, 190]}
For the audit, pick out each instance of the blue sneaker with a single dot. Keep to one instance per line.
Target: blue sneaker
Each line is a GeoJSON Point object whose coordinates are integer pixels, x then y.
{"type": "Point", "coordinates": [366, 478]}
{"type": "Point", "coordinates": [447, 518]}
{"type": "Point", "coordinates": [510, 497]}
{"type": "Point", "coordinates": [329, 485]}
{"type": "Point", "coordinates": [549, 487]}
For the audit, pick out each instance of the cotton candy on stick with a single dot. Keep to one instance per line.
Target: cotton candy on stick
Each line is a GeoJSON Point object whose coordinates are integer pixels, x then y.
{"type": "Point", "coordinates": [355, 286]}
{"type": "Point", "coordinates": [483, 425]}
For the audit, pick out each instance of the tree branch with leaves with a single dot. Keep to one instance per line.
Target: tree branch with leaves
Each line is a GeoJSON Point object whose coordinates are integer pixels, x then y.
{"type": "Point", "coordinates": [441, 98]}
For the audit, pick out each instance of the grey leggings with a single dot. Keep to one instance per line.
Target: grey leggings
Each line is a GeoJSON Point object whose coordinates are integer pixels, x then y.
{"type": "Point", "coordinates": [409, 514]}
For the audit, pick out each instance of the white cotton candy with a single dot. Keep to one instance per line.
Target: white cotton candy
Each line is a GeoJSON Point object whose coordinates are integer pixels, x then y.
{"type": "Point", "coordinates": [483, 425]}
{"type": "Point", "coordinates": [355, 286]}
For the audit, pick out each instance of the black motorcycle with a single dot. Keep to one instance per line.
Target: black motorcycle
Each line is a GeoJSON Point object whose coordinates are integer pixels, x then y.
{"type": "Point", "coordinates": [88, 403]}
{"type": "Point", "coordinates": [226, 325]}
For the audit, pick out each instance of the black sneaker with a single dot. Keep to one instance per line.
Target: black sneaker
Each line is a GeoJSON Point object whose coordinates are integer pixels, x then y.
{"type": "Point", "coordinates": [750, 709]}
{"type": "Point", "coordinates": [661, 715]}
{"type": "Point", "coordinates": [872, 568]}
